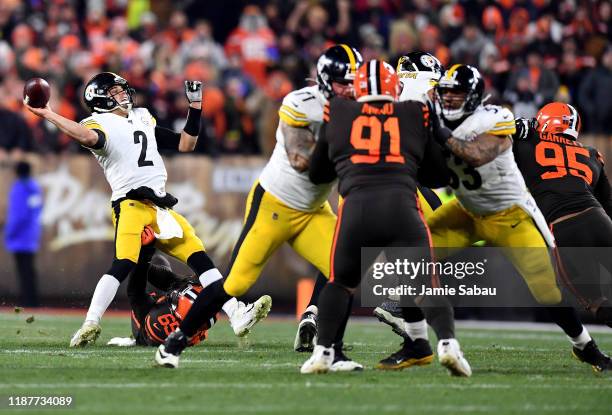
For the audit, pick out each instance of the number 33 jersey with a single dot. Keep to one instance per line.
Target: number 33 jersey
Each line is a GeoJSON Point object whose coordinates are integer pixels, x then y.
{"type": "Point", "coordinates": [563, 175]}
{"type": "Point", "coordinates": [129, 156]}
{"type": "Point", "coordinates": [496, 185]}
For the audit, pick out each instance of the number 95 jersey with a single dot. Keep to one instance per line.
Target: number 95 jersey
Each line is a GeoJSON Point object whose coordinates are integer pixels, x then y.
{"type": "Point", "coordinates": [128, 151]}
{"type": "Point", "coordinates": [496, 185]}
{"type": "Point", "coordinates": [561, 173]}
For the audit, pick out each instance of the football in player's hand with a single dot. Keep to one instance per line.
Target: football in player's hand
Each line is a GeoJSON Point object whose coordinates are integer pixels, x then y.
{"type": "Point", "coordinates": [36, 92]}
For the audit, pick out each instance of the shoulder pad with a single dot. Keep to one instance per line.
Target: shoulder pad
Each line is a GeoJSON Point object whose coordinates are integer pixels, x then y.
{"type": "Point", "coordinates": [300, 108]}
{"type": "Point", "coordinates": [93, 123]}
{"type": "Point", "coordinates": [503, 117]}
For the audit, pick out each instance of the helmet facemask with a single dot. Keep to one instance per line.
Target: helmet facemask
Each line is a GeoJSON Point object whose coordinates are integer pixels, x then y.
{"type": "Point", "coordinates": [126, 103]}
{"type": "Point", "coordinates": [453, 103]}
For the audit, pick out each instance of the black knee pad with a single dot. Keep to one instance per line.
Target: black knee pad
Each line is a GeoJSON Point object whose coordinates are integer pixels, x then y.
{"type": "Point", "coordinates": [121, 268]}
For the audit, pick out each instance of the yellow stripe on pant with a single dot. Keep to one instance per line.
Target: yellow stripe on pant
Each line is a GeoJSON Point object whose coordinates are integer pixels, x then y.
{"type": "Point", "coordinates": [268, 224]}
{"type": "Point", "coordinates": [452, 226]}
{"type": "Point", "coordinates": [131, 216]}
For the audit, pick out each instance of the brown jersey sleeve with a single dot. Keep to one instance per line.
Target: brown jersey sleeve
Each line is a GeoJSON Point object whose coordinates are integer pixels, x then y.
{"type": "Point", "coordinates": [322, 169]}
{"type": "Point", "coordinates": [602, 190]}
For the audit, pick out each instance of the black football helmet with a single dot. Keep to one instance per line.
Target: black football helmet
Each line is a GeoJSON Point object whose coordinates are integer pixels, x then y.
{"type": "Point", "coordinates": [96, 97]}
{"type": "Point", "coordinates": [460, 78]}
{"type": "Point", "coordinates": [419, 62]}
{"type": "Point", "coordinates": [338, 64]}
{"type": "Point", "coordinates": [418, 73]}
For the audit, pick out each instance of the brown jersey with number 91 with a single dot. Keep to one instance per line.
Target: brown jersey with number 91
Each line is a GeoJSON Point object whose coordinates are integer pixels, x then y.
{"type": "Point", "coordinates": [378, 143]}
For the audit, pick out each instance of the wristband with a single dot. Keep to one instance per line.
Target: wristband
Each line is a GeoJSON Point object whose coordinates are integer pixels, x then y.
{"type": "Point", "coordinates": [192, 126]}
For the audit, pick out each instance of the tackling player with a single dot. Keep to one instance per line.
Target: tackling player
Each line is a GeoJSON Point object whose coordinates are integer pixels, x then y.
{"type": "Point", "coordinates": [363, 144]}
{"type": "Point", "coordinates": [570, 186]}
{"type": "Point", "coordinates": [124, 140]}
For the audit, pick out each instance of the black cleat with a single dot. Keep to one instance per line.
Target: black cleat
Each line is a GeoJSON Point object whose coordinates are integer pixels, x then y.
{"type": "Point", "coordinates": [412, 353]}
{"type": "Point", "coordinates": [593, 356]}
{"type": "Point", "coordinates": [390, 313]}
{"type": "Point", "coordinates": [306, 336]}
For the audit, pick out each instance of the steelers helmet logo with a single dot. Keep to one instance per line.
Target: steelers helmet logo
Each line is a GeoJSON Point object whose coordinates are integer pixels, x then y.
{"type": "Point", "coordinates": [428, 61]}
{"type": "Point", "coordinates": [90, 92]}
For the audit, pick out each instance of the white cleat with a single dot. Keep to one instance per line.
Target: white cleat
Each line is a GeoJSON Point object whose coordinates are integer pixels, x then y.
{"type": "Point", "coordinates": [87, 334]}
{"type": "Point", "coordinates": [346, 366]}
{"type": "Point", "coordinates": [306, 336]}
{"type": "Point", "coordinates": [165, 359]}
{"type": "Point", "coordinates": [247, 315]}
{"type": "Point", "coordinates": [320, 362]}
{"type": "Point", "coordinates": [451, 357]}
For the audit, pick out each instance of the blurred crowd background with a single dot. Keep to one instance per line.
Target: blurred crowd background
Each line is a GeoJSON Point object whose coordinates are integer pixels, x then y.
{"type": "Point", "coordinates": [251, 53]}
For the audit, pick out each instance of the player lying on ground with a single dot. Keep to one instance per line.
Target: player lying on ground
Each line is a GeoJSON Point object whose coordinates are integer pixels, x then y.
{"type": "Point", "coordinates": [377, 179]}
{"type": "Point", "coordinates": [574, 195]}
{"type": "Point", "coordinates": [155, 314]}
{"type": "Point", "coordinates": [125, 141]}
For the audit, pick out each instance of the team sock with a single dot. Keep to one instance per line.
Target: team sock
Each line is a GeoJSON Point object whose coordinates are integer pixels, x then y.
{"type": "Point", "coordinates": [210, 276]}
{"type": "Point", "coordinates": [580, 341]}
{"type": "Point", "coordinates": [567, 319]}
{"type": "Point", "coordinates": [230, 306]}
{"type": "Point", "coordinates": [102, 297]}
{"type": "Point", "coordinates": [204, 308]}
{"type": "Point", "coordinates": [417, 330]}
{"type": "Point", "coordinates": [333, 307]}
{"type": "Point", "coordinates": [342, 328]}
{"type": "Point", "coordinates": [440, 316]}
{"type": "Point", "coordinates": [316, 292]}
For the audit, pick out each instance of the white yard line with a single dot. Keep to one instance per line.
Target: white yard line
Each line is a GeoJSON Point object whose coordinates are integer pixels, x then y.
{"type": "Point", "coordinates": [312, 384]}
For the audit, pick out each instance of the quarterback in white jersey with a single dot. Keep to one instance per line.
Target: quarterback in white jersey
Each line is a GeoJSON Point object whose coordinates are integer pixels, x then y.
{"type": "Point", "coordinates": [124, 140]}
{"type": "Point", "coordinates": [119, 160]}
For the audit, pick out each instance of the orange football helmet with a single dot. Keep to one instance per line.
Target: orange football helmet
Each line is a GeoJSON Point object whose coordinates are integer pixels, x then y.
{"type": "Point", "coordinates": [376, 81]}
{"type": "Point", "coordinates": [558, 118]}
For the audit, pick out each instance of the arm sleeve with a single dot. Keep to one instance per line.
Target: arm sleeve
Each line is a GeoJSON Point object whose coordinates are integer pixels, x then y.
{"type": "Point", "coordinates": [321, 167]}
{"type": "Point", "coordinates": [433, 171]}
{"type": "Point", "coordinates": [92, 124]}
{"type": "Point", "coordinates": [166, 138]}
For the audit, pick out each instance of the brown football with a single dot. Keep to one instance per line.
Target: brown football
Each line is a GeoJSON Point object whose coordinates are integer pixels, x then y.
{"type": "Point", "coordinates": [36, 92]}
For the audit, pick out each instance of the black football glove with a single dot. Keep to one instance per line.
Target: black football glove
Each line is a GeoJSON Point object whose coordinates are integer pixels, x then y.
{"type": "Point", "coordinates": [193, 91]}
{"type": "Point", "coordinates": [440, 133]}
{"type": "Point", "coordinates": [523, 125]}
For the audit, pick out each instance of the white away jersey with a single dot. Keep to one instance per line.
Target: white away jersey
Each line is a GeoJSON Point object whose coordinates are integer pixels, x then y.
{"type": "Point", "coordinates": [415, 86]}
{"type": "Point", "coordinates": [129, 156]}
{"type": "Point", "coordinates": [494, 186]}
{"type": "Point", "coordinates": [301, 108]}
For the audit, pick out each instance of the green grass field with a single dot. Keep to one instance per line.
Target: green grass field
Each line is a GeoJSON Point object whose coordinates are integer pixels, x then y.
{"type": "Point", "coordinates": [515, 372]}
